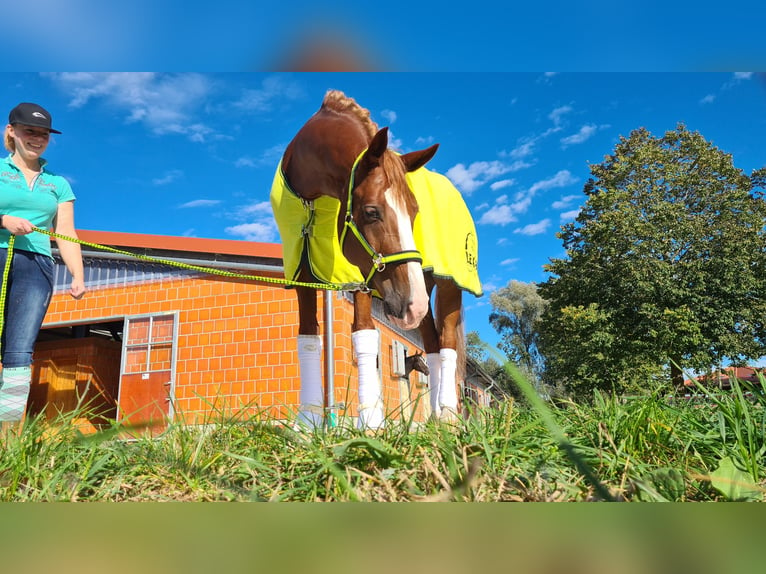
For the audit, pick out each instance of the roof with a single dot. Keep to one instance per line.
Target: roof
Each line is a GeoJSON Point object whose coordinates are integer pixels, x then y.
{"type": "Point", "coordinates": [182, 244]}
{"type": "Point", "coordinates": [723, 377]}
{"type": "Point", "coordinates": [475, 374]}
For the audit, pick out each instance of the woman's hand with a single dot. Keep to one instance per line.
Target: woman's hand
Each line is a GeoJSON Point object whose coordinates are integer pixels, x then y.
{"type": "Point", "coordinates": [17, 225]}
{"type": "Point", "coordinates": [77, 288]}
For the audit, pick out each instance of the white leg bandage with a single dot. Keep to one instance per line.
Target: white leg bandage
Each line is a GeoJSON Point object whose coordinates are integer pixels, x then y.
{"type": "Point", "coordinates": [14, 391]}
{"type": "Point", "coordinates": [366, 345]}
{"type": "Point", "coordinates": [447, 391]}
{"type": "Point", "coordinates": [434, 380]}
{"type": "Point", "coordinates": [311, 411]}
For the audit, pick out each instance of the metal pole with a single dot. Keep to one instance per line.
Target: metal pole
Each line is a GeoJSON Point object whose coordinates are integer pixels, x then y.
{"type": "Point", "coordinates": [329, 362]}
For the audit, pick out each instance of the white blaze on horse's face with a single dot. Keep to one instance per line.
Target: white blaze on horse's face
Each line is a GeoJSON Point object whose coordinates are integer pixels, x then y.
{"type": "Point", "coordinates": [417, 298]}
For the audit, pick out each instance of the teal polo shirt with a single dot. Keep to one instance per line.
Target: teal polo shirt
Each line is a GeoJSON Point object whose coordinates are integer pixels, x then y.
{"type": "Point", "coordinates": [39, 204]}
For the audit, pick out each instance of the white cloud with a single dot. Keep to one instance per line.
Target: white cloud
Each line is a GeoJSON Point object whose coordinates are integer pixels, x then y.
{"type": "Point", "coordinates": [269, 157]}
{"type": "Point", "coordinates": [257, 222]}
{"type": "Point", "coordinates": [569, 215]}
{"type": "Point", "coordinates": [200, 203]}
{"type": "Point", "coordinates": [584, 134]}
{"type": "Point", "coordinates": [273, 90]}
{"type": "Point", "coordinates": [394, 142]}
{"type": "Point", "coordinates": [503, 213]}
{"type": "Point", "coordinates": [511, 261]}
{"type": "Point", "coordinates": [245, 162]}
{"type": "Point", "coordinates": [736, 78]}
{"type": "Point", "coordinates": [169, 177]}
{"type": "Point", "coordinates": [389, 116]}
{"type": "Point", "coordinates": [522, 205]}
{"type": "Point", "coordinates": [558, 113]}
{"type": "Point", "coordinates": [522, 150]}
{"type": "Point", "coordinates": [564, 202]}
{"type": "Point", "coordinates": [262, 207]}
{"type": "Point", "coordinates": [562, 178]}
{"type": "Point", "coordinates": [498, 215]}
{"type": "Point", "coordinates": [501, 184]}
{"type": "Point", "coordinates": [523, 199]}
{"type": "Point", "coordinates": [534, 228]}
{"type": "Point", "coordinates": [261, 232]}
{"type": "Point", "coordinates": [164, 103]}
{"type": "Point", "coordinates": [424, 141]}
{"type": "Point", "coordinates": [470, 178]}
{"type": "Point", "coordinates": [709, 99]}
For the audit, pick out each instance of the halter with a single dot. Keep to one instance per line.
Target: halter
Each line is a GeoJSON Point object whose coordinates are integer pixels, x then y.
{"type": "Point", "coordinates": [379, 261]}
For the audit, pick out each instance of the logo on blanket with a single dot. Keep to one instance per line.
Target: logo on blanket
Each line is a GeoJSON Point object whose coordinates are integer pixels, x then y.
{"type": "Point", "coordinates": [471, 251]}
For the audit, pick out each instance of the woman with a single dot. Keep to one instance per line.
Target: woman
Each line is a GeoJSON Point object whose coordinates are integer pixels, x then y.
{"type": "Point", "coordinates": [30, 196]}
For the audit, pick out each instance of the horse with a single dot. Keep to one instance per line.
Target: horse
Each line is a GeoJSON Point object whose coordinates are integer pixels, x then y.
{"type": "Point", "coordinates": [347, 215]}
{"type": "Point", "coordinates": [416, 363]}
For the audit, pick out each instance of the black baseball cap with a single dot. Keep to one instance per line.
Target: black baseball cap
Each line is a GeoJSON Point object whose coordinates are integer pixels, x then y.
{"type": "Point", "coordinates": [31, 115]}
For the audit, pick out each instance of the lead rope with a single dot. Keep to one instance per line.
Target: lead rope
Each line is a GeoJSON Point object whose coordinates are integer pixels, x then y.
{"type": "Point", "coordinates": [4, 288]}
{"type": "Point", "coordinates": [212, 271]}
{"type": "Point", "coordinates": [187, 266]}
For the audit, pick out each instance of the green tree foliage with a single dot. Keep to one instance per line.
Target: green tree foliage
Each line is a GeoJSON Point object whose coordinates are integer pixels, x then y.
{"type": "Point", "coordinates": [665, 267]}
{"type": "Point", "coordinates": [516, 312]}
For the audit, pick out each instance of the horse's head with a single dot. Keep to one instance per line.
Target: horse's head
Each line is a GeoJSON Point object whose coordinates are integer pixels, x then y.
{"type": "Point", "coordinates": [382, 211]}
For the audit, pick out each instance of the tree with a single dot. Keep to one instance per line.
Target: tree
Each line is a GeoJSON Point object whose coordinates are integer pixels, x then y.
{"type": "Point", "coordinates": [665, 267]}
{"type": "Point", "coordinates": [516, 312]}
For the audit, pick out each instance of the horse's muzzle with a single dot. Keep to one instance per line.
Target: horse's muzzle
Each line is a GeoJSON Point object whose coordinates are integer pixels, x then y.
{"type": "Point", "coordinates": [404, 314]}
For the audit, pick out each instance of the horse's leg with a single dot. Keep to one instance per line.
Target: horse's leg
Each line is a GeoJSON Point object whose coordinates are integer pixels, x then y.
{"type": "Point", "coordinates": [366, 341]}
{"type": "Point", "coordinates": [430, 338]}
{"type": "Point", "coordinates": [311, 410]}
{"type": "Point", "coordinates": [449, 320]}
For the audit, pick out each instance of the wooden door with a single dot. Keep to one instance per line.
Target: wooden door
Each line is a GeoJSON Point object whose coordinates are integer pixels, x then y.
{"type": "Point", "coordinates": [145, 401]}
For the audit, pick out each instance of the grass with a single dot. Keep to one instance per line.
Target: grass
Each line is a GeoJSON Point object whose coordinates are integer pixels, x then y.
{"type": "Point", "coordinates": [642, 449]}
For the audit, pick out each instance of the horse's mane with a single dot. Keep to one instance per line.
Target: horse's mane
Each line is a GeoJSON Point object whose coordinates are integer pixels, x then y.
{"type": "Point", "coordinates": [339, 102]}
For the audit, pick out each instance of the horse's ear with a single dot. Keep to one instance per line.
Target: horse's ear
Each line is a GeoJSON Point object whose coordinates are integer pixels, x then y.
{"type": "Point", "coordinates": [377, 146]}
{"type": "Point", "coordinates": [417, 159]}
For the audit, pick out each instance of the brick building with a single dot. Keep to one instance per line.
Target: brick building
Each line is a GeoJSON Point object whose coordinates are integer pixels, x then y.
{"type": "Point", "coordinates": [153, 342]}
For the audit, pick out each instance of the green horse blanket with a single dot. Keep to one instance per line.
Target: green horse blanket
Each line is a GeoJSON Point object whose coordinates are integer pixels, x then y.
{"type": "Point", "coordinates": [444, 233]}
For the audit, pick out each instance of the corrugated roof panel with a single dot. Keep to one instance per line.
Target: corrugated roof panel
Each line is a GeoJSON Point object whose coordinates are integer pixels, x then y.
{"type": "Point", "coordinates": [102, 273]}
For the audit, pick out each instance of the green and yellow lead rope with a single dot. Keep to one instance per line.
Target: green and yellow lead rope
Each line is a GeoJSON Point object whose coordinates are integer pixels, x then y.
{"type": "Point", "coordinates": [4, 287]}
{"type": "Point", "coordinates": [190, 267]}
{"type": "Point", "coordinates": [187, 266]}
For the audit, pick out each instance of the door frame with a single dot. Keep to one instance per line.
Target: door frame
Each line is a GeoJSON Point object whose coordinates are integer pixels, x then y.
{"type": "Point", "coordinates": [173, 357]}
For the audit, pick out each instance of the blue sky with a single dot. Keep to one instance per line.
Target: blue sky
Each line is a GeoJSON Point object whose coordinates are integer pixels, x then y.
{"type": "Point", "coordinates": [193, 154]}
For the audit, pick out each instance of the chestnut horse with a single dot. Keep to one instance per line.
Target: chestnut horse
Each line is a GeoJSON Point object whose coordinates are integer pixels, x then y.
{"type": "Point", "coordinates": [352, 223]}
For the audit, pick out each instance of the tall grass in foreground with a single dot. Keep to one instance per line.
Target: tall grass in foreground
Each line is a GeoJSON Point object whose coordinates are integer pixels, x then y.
{"type": "Point", "coordinates": [642, 449]}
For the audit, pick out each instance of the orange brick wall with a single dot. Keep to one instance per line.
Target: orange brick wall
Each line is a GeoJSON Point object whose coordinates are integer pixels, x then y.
{"type": "Point", "coordinates": [236, 349]}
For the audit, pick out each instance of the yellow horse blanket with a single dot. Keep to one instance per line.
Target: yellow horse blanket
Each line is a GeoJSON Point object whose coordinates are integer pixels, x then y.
{"type": "Point", "coordinates": [444, 232]}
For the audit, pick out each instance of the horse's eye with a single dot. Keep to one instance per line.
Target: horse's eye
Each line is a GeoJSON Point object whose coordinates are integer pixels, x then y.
{"type": "Point", "coordinates": [372, 213]}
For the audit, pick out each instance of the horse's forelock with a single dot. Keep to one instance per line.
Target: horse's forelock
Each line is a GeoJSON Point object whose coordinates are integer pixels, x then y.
{"type": "Point", "coordinates": [396, 172]}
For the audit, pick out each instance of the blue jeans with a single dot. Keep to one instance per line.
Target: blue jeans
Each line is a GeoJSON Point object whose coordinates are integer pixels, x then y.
{"type": "Point", "coordinates": [28, 294]}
